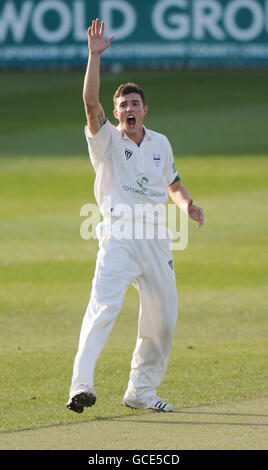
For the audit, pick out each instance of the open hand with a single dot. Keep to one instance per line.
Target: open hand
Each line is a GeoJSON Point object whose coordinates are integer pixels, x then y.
{"type": "Point", "coordinates": [96, 41]}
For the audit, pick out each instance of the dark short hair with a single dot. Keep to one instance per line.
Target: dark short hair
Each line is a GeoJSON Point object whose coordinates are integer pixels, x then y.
{"type": "Point", "coordinates": [127, 88]}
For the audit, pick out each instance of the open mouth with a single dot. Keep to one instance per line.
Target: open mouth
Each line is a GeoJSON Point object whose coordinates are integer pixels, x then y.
{"type": "Point", "coordinates": [131, 120]}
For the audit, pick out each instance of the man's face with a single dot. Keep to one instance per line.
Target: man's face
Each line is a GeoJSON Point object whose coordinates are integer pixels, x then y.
{"type": "Point", "coordinates": [130, 112]}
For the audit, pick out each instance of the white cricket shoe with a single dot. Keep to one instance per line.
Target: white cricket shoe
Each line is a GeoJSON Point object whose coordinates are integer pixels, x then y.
{"type": "Point", "coordinates": [152, 403]}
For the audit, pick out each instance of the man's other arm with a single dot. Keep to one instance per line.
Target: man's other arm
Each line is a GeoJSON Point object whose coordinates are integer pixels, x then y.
{"type": "Point", "coordinates": [181, 197]}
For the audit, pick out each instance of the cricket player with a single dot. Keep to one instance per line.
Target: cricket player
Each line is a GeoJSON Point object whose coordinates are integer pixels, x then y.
{"type": "Point", "coordinates": [134, 166]}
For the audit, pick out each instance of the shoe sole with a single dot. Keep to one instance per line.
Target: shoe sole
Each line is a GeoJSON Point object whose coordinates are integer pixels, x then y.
{"type": "Point", "coordinates": [81, 401]}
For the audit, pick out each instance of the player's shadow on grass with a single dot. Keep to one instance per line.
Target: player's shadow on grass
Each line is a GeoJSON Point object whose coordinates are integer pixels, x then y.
{"type": "Point", "coordinates": [191, 413]}
{"type": "Point", "coordinates": [221, 413]}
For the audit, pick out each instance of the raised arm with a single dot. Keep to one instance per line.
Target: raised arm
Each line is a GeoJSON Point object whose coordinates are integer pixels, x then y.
{"type": "Point", "coordinates": [96, 45]}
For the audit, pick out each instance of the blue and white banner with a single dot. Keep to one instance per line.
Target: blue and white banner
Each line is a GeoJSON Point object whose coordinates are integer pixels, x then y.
{"type": "Point", "coordinates": [153, 32]}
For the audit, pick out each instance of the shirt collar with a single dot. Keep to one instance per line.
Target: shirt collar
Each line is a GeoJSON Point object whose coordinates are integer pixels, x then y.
{"type": "Point", "coordinates": [147, 133]}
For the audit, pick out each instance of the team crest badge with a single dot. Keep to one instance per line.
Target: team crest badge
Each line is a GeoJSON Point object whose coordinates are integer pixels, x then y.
{"type": "Point", "coordinates": [156, 159]}
{"type": "Point", "coordinates": [128, 154]}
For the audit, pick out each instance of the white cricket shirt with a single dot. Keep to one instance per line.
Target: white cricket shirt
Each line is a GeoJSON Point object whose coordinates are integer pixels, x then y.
{"type": "Point", "coordinates": [127, 173]}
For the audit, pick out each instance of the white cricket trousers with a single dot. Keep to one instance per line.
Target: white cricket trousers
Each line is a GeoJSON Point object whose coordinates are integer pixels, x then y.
{"type": "Point", "coordinates": [148, 265]}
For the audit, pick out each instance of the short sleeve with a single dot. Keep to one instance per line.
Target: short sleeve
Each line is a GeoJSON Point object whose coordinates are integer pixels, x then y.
{"type": "Point", "coordinates": [171, 173]}
{"type": "Point", "coordinates": [99, 143]}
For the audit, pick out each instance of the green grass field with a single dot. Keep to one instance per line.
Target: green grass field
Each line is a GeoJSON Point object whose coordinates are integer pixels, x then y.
{"type": "Point", "coordinates": [217, 124]}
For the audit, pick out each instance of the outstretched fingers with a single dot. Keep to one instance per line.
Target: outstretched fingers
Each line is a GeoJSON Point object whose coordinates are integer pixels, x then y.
{"type": "Point", "coordinates": [97, 42]}
{"type": "Point", "coordinates": [93, 29]}
{"type": "Point", "coordinates": [102, 28]}
{"type": "Point", "coordinates": [97, 23]}
{"type": "Point", "coordinates": [109, 41]}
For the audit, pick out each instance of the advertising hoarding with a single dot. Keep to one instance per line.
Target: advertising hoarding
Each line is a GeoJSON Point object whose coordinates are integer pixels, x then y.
{"type": "Point", "coordinates": [147, 33]}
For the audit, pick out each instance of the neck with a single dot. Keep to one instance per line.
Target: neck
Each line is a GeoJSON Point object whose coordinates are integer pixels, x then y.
{"type": "Point", "coordinates": [138, 137]}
